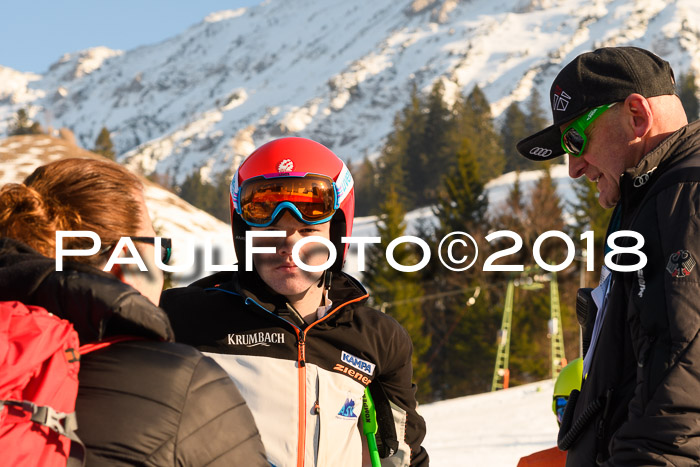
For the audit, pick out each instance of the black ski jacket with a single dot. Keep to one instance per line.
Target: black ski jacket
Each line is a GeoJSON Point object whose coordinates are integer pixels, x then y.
{"type": "Point", "coordinates": [640, 402]}
{"type": "Point", "coordinates": [140, 402]}
{"type": "Point", "coordinates": [304, 383]}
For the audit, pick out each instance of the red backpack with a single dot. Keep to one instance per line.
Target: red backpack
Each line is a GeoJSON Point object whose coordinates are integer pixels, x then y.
{"type": "Point", "coordinates": [39, 364]}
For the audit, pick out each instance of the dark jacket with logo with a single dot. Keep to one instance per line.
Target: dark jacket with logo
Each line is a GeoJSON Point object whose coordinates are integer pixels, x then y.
{"type": "Point", "coordinates": [640, 402]}
{"type": "Point", "coordinates": [140, 402]}
{"type": "Point", "coordinates": [304, 382]}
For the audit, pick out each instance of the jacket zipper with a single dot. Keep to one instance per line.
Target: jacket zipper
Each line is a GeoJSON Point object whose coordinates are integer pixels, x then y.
{"type": "Point", "coordinates": [301, 443]}
{"type": "Point", "coordinates": [301, 360]}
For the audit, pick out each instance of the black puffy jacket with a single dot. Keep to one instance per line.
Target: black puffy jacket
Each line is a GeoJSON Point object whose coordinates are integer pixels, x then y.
{"type": "Point", "coordinates": [140, 402]}
{"type": "Point", "coordinates": [640, 402]}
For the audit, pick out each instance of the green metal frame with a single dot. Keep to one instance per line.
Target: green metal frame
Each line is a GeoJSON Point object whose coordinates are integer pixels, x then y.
{"type": "Point", "coordinates": [501, 373]}
{"type": "Point", "coordinates": [556, 333]}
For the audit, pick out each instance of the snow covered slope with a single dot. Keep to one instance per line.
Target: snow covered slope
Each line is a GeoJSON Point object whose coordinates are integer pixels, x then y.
{"type": "Point", "coordinates": [332, 70]}
{"type": "Point", "coordinates": [492, 429]}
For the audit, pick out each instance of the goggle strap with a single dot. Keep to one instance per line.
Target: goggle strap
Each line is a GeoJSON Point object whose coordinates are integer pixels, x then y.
{"type": "Point", "coordinates": [343, 185]}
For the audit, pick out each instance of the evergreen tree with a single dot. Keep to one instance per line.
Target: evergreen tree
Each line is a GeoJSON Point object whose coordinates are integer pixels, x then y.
{"type": "Point", "coordinates": [210, 197]}
{"type": "Point", "coordinates": [513, 130]}
{"type": "Point", "coordinates": [462, 355]}
{"type": "Point", "coordinates": [545, 213]}
{"type": "Point", "coordinates": [688, 94]}
{"type": "Point", "coordinates": [470, 350]}
{"type": "Point", "coordinates": [590, 215]}
{"type": "Point", "coordinates": [22, 125]}
{"type": "Point", "coordinates": [103, 144]}
{"type": "Point", "coordinates": [475, 124]}
{"type": "Point", "coordinates": [219, 205]}
{"type": "Point", "coordinates": [366, 187]}
{"type": "Point", "coordinates": [396, 292]}
{"type": "Point", "coordinates": [530, 358]}
{"type": "Point", "coordinates": [462, 204]}
{"type": "Point", "coordinates": [436, 150]}
{"type": "Point", "coordinates": [513, 216]}
{"type": "Point", "coordinates": [536, 117]}
{"type": "Point", "coordinates": [401, 152]}
{"type": "Point", "coordinates": [530, 346]}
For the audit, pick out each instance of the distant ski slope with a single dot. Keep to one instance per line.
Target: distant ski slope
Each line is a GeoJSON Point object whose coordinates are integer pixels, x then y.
{"type": "Point", "coordinates": [491, 429]}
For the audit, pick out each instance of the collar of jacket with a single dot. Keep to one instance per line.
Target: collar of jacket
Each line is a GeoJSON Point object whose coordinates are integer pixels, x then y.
{"type": "Point", "coordinates": [344, 289]}
{"type": "Point", "coordinates": [636, 181]}
{"type": "Point", "coordinates": [95, 302]}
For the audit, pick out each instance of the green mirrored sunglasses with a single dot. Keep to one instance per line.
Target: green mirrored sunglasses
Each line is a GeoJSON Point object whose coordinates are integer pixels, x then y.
{"type": "Point", "coordinates": [573, 138]}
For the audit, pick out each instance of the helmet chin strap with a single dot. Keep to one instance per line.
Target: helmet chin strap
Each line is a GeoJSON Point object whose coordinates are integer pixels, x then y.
{"type": "Point", "coordinates": [325, 280]}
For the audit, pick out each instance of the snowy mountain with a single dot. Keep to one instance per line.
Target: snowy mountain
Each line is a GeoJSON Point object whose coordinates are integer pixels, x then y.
{"type": "Point", "coordinates": [331, 70]}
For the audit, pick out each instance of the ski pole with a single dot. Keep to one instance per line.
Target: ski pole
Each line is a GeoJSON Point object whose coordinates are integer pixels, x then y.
{"type": "Point", "coordinates": [369, 427]}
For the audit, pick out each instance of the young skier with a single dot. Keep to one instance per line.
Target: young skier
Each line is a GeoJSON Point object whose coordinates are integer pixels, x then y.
{"type": "Point", "coordinates": [302, 346]}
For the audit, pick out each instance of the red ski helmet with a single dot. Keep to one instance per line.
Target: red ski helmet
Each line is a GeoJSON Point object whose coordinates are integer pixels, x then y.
{"type": "Point", "coordinates": [294, 162]}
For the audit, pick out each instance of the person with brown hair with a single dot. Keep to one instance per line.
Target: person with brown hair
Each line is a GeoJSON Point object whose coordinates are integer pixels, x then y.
{"type": "Point", "coordinates": [142, 400]}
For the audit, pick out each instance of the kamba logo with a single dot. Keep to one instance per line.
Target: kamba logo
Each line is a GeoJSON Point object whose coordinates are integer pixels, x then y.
{"type": "Point", "coordinates": [542, 152]}
{"type": "Point", "coordinates": [560, 99]}
{"type": "Point", "coordinates": [357, 363]}
{"type": "Point", "coordinates": [285, 166]}
{"type": "Point", "coordinates": [257, 338]}
{"type": "Point", "coordinates": [347, 411]}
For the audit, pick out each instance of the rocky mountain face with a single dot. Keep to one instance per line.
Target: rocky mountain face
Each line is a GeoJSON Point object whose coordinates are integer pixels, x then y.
{"type": "Point", "coordinates": [331, 70]}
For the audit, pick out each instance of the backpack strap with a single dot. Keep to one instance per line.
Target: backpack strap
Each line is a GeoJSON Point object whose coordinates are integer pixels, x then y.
{"type": "Point", "coordinates": [104, 343]}
{"type": "Point", "coordinates": [65, 424]}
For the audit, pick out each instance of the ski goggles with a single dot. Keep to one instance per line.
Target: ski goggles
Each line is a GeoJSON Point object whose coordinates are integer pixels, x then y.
{"type": "Point", "coordinates": [312, 198]}
{"type": "Point", "coordinates": [560, 406]}
{"type": "Point", "coordinates": [166, 247]}
{"type": "Point", "coordinates": [573, 138]}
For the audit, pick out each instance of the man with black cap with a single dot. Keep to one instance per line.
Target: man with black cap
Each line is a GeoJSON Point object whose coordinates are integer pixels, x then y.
{"type": "Point", "coordinates": [618, 118]}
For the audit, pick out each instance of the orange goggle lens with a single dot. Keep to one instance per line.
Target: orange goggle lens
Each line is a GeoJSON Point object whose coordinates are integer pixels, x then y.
{"type": "Point", "coordinates": [312, 198]}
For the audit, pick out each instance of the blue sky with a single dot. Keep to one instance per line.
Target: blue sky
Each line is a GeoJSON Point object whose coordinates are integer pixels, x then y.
{"type": "Point", "coordinates": [33, 35]}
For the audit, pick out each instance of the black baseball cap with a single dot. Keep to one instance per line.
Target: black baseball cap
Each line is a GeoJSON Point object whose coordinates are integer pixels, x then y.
{"type": "Point", "coordinates": [596, 78]}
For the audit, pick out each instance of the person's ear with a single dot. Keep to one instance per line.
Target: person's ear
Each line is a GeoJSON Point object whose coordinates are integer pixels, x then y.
{"type": "Point", "coordinates": [639, 113]}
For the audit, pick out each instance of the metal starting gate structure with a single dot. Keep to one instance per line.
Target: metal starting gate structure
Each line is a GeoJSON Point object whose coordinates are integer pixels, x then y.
{"type": "Point", "coordinates": [501, 374]}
